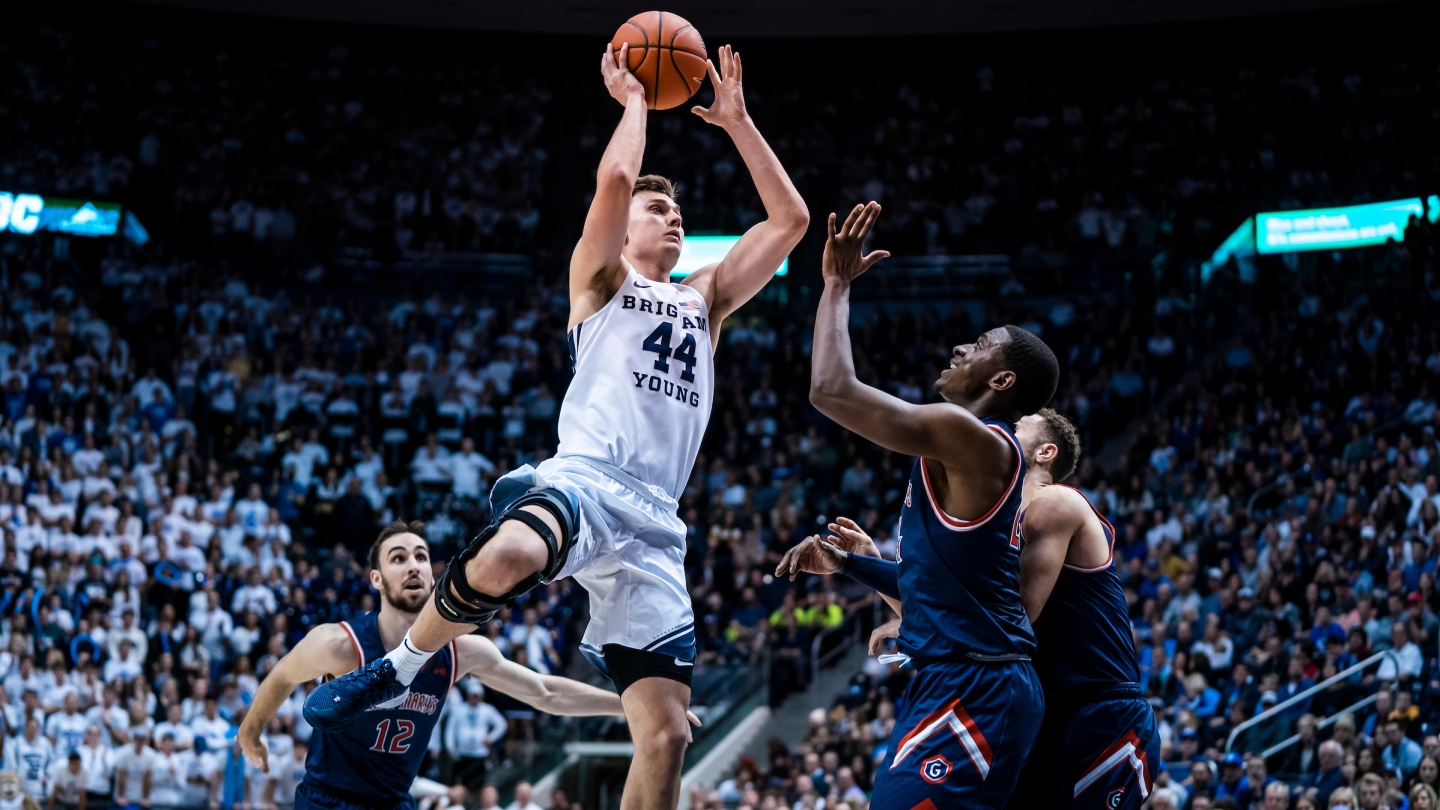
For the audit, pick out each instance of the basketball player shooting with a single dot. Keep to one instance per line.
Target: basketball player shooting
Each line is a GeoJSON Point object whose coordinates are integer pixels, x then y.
{"type": "Point", "coordinates": [971, 713]}
{"type": "Point", "coordinates": [603, 510]}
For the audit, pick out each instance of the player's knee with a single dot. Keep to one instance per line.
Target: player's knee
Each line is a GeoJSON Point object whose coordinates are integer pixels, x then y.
{"type": "Point", "coordinates": [668, 741]}
{"type": "Point", "coordinates": [515, 553]}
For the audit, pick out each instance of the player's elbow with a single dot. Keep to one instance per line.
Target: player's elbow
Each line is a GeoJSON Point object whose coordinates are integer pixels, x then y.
{"type": "Point", "coordinates": [824, 391]}
{"type": "Point", "coordinates": [794, 220]}
{"type": "Point", "coordinates": [616, 174]}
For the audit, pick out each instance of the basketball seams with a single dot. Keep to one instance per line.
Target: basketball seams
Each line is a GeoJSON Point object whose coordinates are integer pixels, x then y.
{"type": "Point", "coordinates": [659, 38]}
{"type": "Point", "coordinates": [678, 72]}
{"type": "Point", "coordinates": [644, 47]}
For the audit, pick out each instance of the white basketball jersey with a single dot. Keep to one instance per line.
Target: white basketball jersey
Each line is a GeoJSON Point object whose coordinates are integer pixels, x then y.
{"type": "Point", "coordinates": [644, 379]}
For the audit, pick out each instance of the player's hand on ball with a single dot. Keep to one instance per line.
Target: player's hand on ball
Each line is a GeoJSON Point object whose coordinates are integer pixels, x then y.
{"type": "Point", "coordinates": [729, 105]}
{"type": "Point", "coordinates": [852, 538]}
{"type": "Point", "coordinates": [621, 83]}
{"type": "Point", "coordinates": [843, 260]}
{"type": "Point", "coordinates": [888, 630]}
{"type": "Point", "coordinates": [813, 556]}
{"type": "Point", "coordinates": [255, 751]}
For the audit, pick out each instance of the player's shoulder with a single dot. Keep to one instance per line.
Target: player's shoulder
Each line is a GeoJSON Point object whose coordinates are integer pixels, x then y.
{"type": "Point", "coordinates": [334, 637]}
{"type": "Point", "coordinates": [1057, 502]}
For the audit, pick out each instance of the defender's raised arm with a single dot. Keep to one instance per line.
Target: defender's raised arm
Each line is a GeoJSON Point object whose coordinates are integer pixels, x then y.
{"type": "Point", "coordinates": [915, 430]}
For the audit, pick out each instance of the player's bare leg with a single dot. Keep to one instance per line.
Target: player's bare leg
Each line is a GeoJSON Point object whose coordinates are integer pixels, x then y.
{"type": "Point", "coordinates": [508, 558]}
{"type": "Point", "coordinates": [516, 552]}
{"type": "Point", "coordinates": [513, 554]}
{"type": "Point", "coordinates": [655, 709]}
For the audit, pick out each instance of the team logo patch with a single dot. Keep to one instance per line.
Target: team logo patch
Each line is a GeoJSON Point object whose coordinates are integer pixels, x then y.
{"type": "Point", "coordinates": [935, 769]}
{"type": "Point", "coordinates": [1114, 798]}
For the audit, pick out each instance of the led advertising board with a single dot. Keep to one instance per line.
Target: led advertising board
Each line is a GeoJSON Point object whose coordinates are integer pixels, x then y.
{"type": "Point", "coordinates": [1334, 228]}
{"type": "Point", "coordinates": [28, 213]}
{"type": "Point", "coordinates": [699, 251]}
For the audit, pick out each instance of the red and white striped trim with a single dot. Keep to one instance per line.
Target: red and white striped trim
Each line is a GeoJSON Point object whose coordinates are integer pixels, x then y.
{"type": "Point", "coordinates": [955, 524]}
{"type": "Point", "coordinates": [356, 641]}
{"type": "Point", "coordinates": [1126, 749]}
{"type": "Point", "coordinates": [951, 716]}
{"type": "Point", "coordinates": [1110, 528]}
{"type": "Point", "coordinates": [454, 663]}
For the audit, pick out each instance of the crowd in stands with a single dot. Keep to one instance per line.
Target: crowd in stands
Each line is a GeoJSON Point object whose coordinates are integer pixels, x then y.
{"type": "Point", "coordinates": [191, 463]}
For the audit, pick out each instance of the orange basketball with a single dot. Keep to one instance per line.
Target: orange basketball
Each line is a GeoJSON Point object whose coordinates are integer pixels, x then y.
{"type": "Point", "coordinates": [667, 55]}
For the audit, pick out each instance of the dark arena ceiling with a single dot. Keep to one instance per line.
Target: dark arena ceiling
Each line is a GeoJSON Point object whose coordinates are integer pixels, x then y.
{"type": "Point", "coordinates": [772, 18]}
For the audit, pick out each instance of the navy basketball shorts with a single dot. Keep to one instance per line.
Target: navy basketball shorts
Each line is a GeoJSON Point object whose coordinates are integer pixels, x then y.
{"type": "Point", "coordinates": [1101, 755]}
{"type": "Point", "coordinates": [962, 733]}
{"type": "Point", "coordinates": [310, 797]}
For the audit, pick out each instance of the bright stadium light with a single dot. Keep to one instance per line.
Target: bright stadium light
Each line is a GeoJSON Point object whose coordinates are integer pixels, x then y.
{"type": "Point", "coordinates": [699, 251]}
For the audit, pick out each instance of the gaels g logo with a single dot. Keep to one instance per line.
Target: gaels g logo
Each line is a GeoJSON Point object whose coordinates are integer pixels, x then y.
{"type": "Point", "coordinates": [1114, 798]}
{"type": "Point", "coordinates": [935, 769]}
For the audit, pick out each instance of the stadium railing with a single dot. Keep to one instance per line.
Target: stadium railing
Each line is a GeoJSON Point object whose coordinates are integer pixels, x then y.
{"type": "Point", "coordinates": [1317, 688]}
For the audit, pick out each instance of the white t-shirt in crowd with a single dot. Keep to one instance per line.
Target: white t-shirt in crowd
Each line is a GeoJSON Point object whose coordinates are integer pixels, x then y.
{"type": "Point", "coordinates": [135, 766]}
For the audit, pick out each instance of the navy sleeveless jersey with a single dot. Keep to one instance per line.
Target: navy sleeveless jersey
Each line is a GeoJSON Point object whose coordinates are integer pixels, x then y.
{"type": "Point", "coordinates": [959, 579]}
{"type": "Point", "coordinates": [1084, 630]}
{"type": "Point", "coordinates": [374, 761]}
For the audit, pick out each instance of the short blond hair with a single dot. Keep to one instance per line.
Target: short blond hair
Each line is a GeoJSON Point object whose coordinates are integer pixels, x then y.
{"type": "Point", "coordinates": [653, 182]}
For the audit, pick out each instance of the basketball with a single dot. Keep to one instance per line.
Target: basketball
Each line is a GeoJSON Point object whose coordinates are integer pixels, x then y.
{"type": "Point", "coordinates": [667, 55]}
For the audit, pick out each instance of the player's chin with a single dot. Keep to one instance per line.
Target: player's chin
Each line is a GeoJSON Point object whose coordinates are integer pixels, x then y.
{"type": "Point", "coordinates": [411, 600]}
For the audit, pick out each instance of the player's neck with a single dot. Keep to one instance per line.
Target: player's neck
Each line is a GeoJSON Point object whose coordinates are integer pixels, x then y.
{"type": "Point", "coordinates": [393, 623]}
{"type": "Point", "coordinates": [1035, 480]}
{"type": "Point", "coordinates": [651, 271]}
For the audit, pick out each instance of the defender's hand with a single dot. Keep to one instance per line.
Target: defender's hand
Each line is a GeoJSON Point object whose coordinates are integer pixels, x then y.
{"type": "Point", "coordinates": [852, 538]}
{"type": "Point", "coordinates": [621, 83]}
{"type": "Point", "coordinates": [888, 630]}
{"type": "Point", "coordinates": [814, 556]}
{"type": "Point", "coordinates": [694, 721]}
{"type": "Point", "coordinates": [729, 105]}
{"type": "Point", "coordinates": [255, 751]}
{"type": "Point", "coordinates": [843, 261]}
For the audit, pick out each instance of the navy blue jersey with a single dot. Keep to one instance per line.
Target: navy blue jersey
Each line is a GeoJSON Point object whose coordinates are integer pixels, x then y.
{"type": "Point", "coordinates": [373, 761]}
{"type": "Point", "coordinates": [960, 579]}
{"type": "Point", "coordinates": [1084, 630]}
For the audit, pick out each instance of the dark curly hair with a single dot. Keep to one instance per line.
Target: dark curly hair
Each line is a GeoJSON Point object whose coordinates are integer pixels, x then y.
{"type": "Point", "coordinates": [1060, 432]}
{"type": "Point", "coordinates": [1037, 372]}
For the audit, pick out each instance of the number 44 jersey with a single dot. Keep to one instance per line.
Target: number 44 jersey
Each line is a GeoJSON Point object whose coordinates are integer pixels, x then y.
{"type": "Point", "coordinates": [644, 377]}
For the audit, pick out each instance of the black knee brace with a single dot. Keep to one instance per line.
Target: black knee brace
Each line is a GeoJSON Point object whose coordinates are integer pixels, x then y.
{"type": "Point", "coordinates": [467, 605]}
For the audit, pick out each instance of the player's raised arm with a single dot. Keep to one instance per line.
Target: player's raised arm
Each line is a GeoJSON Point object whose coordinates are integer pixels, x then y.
{"type": "Point", "coordinates": [326, 650]}
{"type": "Point", "coordinates": [943, 431]}
{"type": "Point", "coordinates": [595, 265]}
{"type": "Point", "coordinates": [749, 265]}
